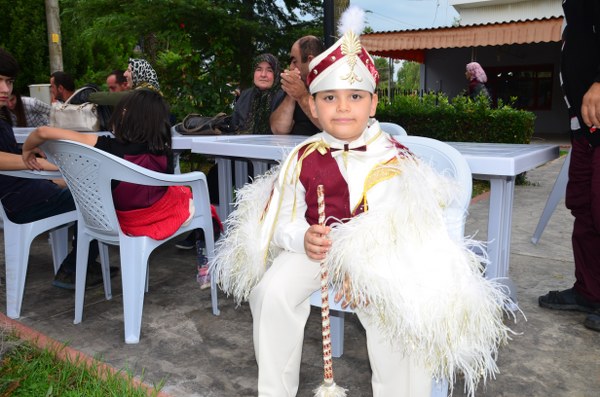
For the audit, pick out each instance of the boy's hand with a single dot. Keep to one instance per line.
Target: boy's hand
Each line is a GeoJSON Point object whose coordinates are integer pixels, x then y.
{"type": "Point", "coordinates": [316, 243]}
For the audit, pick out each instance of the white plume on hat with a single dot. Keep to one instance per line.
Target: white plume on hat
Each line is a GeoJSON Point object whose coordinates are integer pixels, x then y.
{"type": "Point", "coordinates": [352, 20]}
{"type": "Point", "coordinates": [346, 64]}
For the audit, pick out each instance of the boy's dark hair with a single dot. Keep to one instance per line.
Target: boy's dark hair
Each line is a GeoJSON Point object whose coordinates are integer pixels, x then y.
{"type": "Point", "coordinates": [142, 116]}
{"type": "Point", "coordinates": [310, 45]}
{"type": "Point", "coordinates": [9, 66]}
{"type": "Point", "coordinates": [64, 79]}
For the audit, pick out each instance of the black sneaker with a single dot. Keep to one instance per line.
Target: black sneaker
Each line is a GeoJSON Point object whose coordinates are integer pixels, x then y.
{"type": "Point", "coordinates": [187, 243]}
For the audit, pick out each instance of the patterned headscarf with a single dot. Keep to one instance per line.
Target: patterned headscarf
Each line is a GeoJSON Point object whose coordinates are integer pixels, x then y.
{"type": "Point", "coordinates": [260, 109]}
{"type": "Point", "coordinates": [143, 74]}
{"type": "Point", "coordinates": [477, 72]}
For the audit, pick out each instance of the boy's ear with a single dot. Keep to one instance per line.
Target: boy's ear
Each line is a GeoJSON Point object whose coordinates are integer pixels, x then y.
{"type": "Point", "coordinates": [374, 101]}
{"type": "Point", "coordinates": [313, 106]}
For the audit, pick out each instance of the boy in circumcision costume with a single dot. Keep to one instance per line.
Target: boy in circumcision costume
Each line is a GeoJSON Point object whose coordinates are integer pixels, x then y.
{"type": "Point", "coordinates": [420, 294]}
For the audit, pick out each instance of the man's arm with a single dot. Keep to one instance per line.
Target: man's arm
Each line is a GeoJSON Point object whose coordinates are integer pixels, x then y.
{"type": "Point", "coordinates": [282, 119]}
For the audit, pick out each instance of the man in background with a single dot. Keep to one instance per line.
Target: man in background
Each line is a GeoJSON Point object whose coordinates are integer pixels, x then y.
{"type": "Point", "coordinates": [292, 115]}
{"type": "Point", "coordinates": [116, 81]}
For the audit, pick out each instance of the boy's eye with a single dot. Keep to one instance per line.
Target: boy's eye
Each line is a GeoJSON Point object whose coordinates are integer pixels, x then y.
{"type": "Point", "coordinates": [328, 98]}
{"type": "Point", "coordinates": [356, 96]}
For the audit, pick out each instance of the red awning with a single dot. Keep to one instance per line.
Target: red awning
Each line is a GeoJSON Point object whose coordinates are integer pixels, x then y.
{"type": "Point", "coordinates": [410, 44]}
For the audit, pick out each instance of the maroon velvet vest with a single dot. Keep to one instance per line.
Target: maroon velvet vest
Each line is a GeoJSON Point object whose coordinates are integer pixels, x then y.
{"type": "Point", "coordinates": [318, 169]}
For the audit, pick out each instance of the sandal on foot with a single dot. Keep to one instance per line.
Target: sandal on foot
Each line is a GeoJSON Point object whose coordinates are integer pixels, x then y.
{"type": "Point", "coordinates": [566, 300]}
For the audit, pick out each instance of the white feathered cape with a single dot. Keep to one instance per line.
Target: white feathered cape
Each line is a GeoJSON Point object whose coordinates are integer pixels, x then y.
{"type": "Point", "coordinates": [425, 290]}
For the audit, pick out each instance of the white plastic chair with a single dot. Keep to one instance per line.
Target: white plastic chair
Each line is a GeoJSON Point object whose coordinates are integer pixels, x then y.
{"type": "Point", "coordinates": [18, 239]}
{"type": "Point", "coordinates": [393, 129]}
{"type": "Point", "coordinates": [445, 159]}
{"type": "Point", "coordinates": [89, 173]}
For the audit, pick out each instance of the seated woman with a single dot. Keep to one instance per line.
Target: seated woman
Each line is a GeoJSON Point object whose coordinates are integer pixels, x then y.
{"type": "Point", "coordinates": [142, 136]}
{"type": "Point", "coordinates": [255, 105]}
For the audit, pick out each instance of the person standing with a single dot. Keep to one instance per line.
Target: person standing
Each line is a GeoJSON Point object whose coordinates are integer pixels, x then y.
{"type": "Point", "coordinates": [477, 79]}
{"type": "Point", "coordinates": [580, 77]}
{"type": "Point", "coordinates": [293, 115]}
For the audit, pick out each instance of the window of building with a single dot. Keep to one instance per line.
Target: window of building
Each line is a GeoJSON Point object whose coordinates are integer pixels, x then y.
{"type": "Point", "coordinates": [530, 84]}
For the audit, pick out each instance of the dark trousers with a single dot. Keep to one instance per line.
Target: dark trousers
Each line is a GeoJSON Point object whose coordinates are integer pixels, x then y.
{"type": "Point", "coordinates": [57, 204]}
{"type": "Point", "coordinates": [583, 199]}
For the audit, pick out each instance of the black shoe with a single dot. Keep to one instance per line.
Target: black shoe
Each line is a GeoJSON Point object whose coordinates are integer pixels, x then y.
{"type": "Point", "coordinates": [568, 299]}
{"type": "Point", "coordinates": [592, 321]}
{"type": "Point", "coordinates": [187, 243]}
{"type": "Point", "coordinates": [64, 279]}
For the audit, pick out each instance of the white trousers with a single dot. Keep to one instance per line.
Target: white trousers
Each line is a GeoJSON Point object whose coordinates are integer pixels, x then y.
{"type": "Point", "coordinates": [280, 308]}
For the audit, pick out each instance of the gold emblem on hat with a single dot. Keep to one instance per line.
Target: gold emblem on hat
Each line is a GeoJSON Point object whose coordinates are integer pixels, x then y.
{"type": "Point", "coordinates": [351, 48]}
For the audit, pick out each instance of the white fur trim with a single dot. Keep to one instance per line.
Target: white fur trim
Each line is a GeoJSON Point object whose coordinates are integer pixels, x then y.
{"type": "Point", "coordinates": [423, 289]}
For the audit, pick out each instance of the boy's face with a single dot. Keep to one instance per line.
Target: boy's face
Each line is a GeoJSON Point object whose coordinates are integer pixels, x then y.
{"type": "Point", "coordinates": [6, 87]}
{"type": "Point", "coordinates": [344, 114]}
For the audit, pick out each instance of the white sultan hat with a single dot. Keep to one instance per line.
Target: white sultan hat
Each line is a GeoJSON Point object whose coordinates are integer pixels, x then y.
{"type": "Point", "coordinates": [346, 64]}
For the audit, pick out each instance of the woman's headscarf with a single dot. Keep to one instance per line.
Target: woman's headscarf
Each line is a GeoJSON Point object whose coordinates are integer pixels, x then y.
{"type": "Point", "coordinates": [476, 72]}
{"type": "Point", "coordinates": [143, 74]}
{"type": "Point", "coordinates": [260, 109]}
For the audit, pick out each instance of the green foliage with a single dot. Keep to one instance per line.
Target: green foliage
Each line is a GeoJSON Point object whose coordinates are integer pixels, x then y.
{"type": "Point", "coordinates": [409, 76]}
{"type": "Point", "coordinates": [459, 119]}
{"type": "Point", "coordinates": [201, 49]}
{"type": "Point", "coordinates": [25, 37]}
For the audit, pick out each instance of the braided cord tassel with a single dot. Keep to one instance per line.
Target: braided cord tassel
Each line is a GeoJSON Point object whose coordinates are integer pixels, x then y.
{"type": "Point", "coordinates": [328, 388]}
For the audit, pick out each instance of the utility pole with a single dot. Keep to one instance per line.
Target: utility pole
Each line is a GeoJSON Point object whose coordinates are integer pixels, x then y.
{"type": "Point", "coordinates": [54, 37]}
{"type": "Point", "coordinates": [332, 10]}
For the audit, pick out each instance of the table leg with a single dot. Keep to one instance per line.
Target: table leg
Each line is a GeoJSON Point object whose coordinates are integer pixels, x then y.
{"type": "Point", "coordinates": [558, 192]}
{"type": "Point", "coordinates": [499, 231]}
{"type": "Point", "coordinates": [225, 187]}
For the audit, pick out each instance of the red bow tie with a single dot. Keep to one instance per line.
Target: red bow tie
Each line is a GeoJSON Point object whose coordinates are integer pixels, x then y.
{"type": "Point", "coordinates": [347, 148]}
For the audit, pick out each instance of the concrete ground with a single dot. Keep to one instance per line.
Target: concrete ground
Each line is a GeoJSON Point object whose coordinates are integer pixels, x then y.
{"type": "Point", "coordinates": [197, 354]}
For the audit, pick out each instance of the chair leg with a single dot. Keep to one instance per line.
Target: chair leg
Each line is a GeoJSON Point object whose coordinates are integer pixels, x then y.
{"type": "Point", "coordinates": [134, 267]}
{"type": "Point", "coordinates": [83, 251]}
{"type": "Point", "coordinates": [336, 320]}
{"type": "Point", "coordinates": [59, 241]}
{"type": "Point", "coordinates": [17, 244]}
{"type": "Point", "coordinates": [210, 252]}
{"type": "Point", "coordinates": [105, 264]}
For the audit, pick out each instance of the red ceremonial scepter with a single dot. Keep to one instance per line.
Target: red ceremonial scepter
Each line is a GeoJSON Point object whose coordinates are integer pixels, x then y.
{"type": "Point", "coordinates": [328, 388]}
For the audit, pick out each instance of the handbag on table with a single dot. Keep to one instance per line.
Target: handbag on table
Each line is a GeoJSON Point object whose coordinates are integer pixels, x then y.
{"type": "Point", "coordinates": [195, 124]}
{"type": "Point", "coordinates": [83, 117]}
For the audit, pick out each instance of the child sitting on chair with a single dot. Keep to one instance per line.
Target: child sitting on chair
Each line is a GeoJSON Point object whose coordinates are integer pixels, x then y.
{"type": "Point", "coordinates": [427, 310]}
{"type": "Point", "coordinates": [143, 136]}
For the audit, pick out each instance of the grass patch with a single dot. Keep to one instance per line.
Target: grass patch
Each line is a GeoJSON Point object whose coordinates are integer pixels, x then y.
{"type": "Point", "coordinates": [480, 187]}
{"type": "Point", "coordinates": [26, 370]}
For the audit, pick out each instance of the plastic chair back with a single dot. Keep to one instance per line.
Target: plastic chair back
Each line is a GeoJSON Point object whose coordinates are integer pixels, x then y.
{"type": "Point", "coordinates": [89, 173]}
{"type": "Point", "coordinates": [393, 129]}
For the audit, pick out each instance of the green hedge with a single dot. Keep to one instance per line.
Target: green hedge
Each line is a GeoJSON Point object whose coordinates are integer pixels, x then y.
{"type": "Point", "coordinates": [459, 119]}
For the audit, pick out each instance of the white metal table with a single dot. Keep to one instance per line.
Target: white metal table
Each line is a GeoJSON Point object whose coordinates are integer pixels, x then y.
{"type": "Point", "coordinates": [495, 162]}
